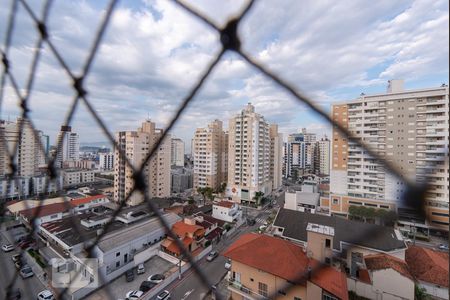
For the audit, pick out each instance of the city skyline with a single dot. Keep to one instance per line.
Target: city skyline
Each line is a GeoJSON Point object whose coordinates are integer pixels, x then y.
{"type": "Point", "coordinates": [341, 73]}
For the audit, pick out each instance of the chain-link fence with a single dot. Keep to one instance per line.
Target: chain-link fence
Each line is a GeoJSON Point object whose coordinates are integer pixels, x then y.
{"type": "Point", "coordinates": [230, 42]}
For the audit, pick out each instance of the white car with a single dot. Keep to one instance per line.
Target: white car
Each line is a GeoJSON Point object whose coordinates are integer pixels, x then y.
{"type": "Point", "coordinates": [156, 278]}
{"type": "Point", "coordinates": [164, 295]}
{"type": "Point", "coordinates": [7, 247]}
{"type": "Point", "coordinates": [134, 295]}
{"type": "Point", "coordinates": [45, 295]}
{"type": "Point", "coordinates": [140, 269]}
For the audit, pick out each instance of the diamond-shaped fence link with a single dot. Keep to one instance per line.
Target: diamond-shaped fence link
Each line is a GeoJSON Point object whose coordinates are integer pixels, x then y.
{"type": "Point", "coordinates": [230, 41]}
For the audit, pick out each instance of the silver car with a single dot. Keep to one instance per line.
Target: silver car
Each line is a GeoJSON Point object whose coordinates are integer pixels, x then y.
{"type": "Point", "coordinates": [26, 272]}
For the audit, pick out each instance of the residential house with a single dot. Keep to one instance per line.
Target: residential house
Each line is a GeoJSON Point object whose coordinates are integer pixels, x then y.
{"type": "Point", "coordinates": [226, 211]}
{"type": "Point", "coordinates": [266, 267]}
{"type": "Point", "coordinates": [430, 268]}
{"type": "Point", "coordinates": [350, 243]}
{"type": "Point", "coordinates": [190, 234]}
{"type": "Point", "coordinates": [383, 277]}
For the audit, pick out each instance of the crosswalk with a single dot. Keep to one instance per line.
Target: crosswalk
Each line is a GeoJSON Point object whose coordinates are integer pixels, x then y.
{"type": "Point", "coordinates": [260, 220]}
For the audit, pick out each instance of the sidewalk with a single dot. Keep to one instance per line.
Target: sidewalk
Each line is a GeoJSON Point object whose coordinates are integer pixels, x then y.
{"type": "Point", "coordinates": [41, 274]}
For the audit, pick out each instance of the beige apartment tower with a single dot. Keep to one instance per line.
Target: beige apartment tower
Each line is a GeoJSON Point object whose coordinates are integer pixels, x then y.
{"type": "Point", "coordinates": [210, 153]}
{"type": "Point", "coordinates": [249, 156]}
{"type": "Point", "coordinates": [136, 145]}
{"type": "Point", "coordinates": [276, 156]}
{"type": "Point", "coordinates": [29, 153]}
{"type": "Point", "coordinates": [409, 128]}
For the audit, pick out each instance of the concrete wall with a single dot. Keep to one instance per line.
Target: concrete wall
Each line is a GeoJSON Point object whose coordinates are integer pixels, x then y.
{"type": "Point", "coordinates": [434, 290]}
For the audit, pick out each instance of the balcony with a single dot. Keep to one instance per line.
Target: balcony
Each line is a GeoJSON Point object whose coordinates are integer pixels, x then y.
{"type": "Point", "coordinates": [242, 290]}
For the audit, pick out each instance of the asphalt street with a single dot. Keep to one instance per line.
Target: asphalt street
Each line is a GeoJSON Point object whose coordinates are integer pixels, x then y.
{"type": "Point", "coordinates": [29, 287]}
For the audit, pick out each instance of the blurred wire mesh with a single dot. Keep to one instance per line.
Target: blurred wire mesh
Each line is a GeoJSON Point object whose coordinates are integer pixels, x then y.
{"type": "Point", "coordinates": [230, 41]}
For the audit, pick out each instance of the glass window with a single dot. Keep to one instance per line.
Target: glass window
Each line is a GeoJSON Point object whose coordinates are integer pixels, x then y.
{"type": "Point", "coordinates": [262, 289]}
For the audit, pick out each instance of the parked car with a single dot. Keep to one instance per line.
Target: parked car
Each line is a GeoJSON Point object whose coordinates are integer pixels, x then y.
{"type": "Point", "coordinates": [7, 247]}
{"type": "Point", "coordinates": [16, 257]}
{"type": "Point", "coordinates": [141, 269]}
{"type": "Point", "coordinates": [45, 295]}
{"type": "Point", "coordinates": [19, 264]}
{"type": "Point", "coordinates": [212, 255]}
{"type": "Point", "coordinates": [164, 295]}
{"type": "Point", "coordinates": [147, 286]}
{"type": "Point", "coordinates": [27, 244]}
{"type": "Point", "coordinates": [228, 264]}
{"type": "Point", "coordinates": [129, 275]}
{"type": "Point", "coordinates": [132, 295]}
{"type": "Point", "coordinates": [443, 247]}
{"type": "Point", "coordinates": [26, 272]}
{"type": "Point", "coordinates": [156, 278]}
{"type": "Point", "coordinates": [13, 294]}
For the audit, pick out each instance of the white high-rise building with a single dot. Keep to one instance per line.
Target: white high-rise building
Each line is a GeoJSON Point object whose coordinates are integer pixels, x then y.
{"type": "Point", "coordinates": [210, 152]}
{"type": "Point", "coordinates": [249, 157]}
{"type": "Point", "coordinates": [177, 152]}
{"type": "Point", "coordinates": [136, 145]}
{"type": "Point", "coordinates": [69, 149]}
{"type": "Point", "coordinates": [410, 129]}
{"type": "Point", "coordinates": [106, 161]}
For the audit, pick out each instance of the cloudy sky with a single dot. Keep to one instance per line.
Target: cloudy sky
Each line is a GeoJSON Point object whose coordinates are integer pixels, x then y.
{"type": "Point", "coordinates": [153, 52]}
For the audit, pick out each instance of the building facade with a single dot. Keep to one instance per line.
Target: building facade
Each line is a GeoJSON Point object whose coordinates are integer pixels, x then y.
{"type": "Point", "coordinates": [136, 145]}
{"type": "Point", "coordinates": [106, 161]}
{"type": "Point", "coordinates": [177, 152]}
{"type": "Point", "coordinates": [299, 154]}
{"type": "Point", "coordinates": [249, 156]}
{"type": "Point", "coordinates": [409, 128]}
{"type": "Point", "coordinates": [68, 148]}
{"type": "Point", "coordinates": [276, 156]}
{"type": "Point", "coordinates": [322, 157]}
{"type": "Point", "coordinates": [209, 147]}
{"type": "Point", "coordinates": [29, 152]}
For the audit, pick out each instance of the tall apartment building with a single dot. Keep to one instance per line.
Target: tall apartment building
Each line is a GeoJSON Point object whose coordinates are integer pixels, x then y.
{"type": "Point", "coordinates": [321, 157]}
{"type": "Point", "coordinates": [177, 152]}
{"type": "Point", "coordinates": [299, 153]}
{"type": "Point", "coordinates": [27, 145]}
{"type": "Point", "coordinates": [409, 128]}
{"type": "Point", "coordinates": [249, 157]}
{"type": "Point", "coordinates": [106, 161]}
{"type": "Point", "coordinates": [136, 145]}
{"type": "Point", "coordinates": [210, 153]}
{"type": "Point", "coordinates": [276, 156]}
{"type": "Point", "coordinates": [69, 148]}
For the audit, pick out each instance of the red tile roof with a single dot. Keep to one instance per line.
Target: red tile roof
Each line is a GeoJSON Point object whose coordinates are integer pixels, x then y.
{"type": "Point", "coordinates": [182, 229]}
{"type": "Point", "coordinates": [80, 201]}
{"type": "Point", "coordinates": [428, 265]}
{"type": "Point", "coordinates": [45, 210]}
{"type": "Point", "coordinates": [330, 279]}
{"type": "Point", "coordinates": [383, 261]}
{"type": "Point", "coordinates": [227, 204]}
{"type": "Point", "coordinates": [173, 247]}
{"type": "Point", "coordinates": [286, 260]}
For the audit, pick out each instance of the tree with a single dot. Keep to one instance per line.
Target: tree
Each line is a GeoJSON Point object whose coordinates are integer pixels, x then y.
{"type": "Point", "coordinates": [202, 191]}
{"type": "Point", "coordinates": [258, 196]}
{"type": "Point", "coordinates": [209, 193]}
{"type": "Point", "coordinates": [222, 188]}
{"type": "Point", "coordinates": [420, 293]}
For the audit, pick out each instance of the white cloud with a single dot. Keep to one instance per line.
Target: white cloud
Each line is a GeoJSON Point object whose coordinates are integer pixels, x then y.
{"type": "Point", "coordinates": [154, 52]}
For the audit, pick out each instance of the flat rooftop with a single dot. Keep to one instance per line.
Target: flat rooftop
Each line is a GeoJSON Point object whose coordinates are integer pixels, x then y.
{"type": "Point", "coordinates": [64, 229]}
